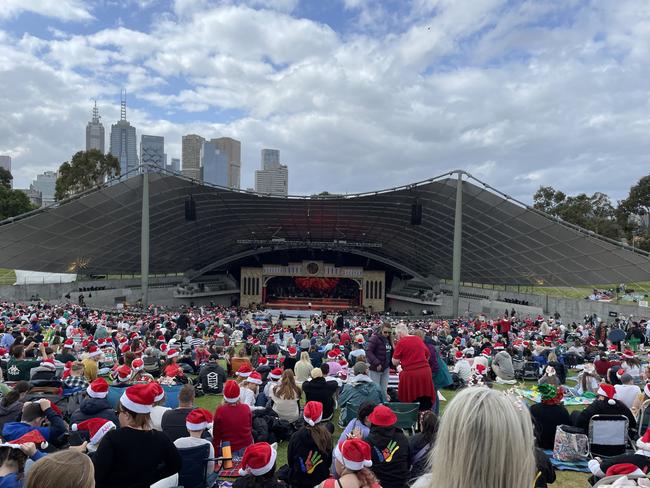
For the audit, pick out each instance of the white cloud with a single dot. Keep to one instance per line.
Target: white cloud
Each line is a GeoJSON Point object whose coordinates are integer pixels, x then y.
{"type": "Point", "coordinates": [68, 10]}
{"type": "Point", "coordinates": [502, 89]}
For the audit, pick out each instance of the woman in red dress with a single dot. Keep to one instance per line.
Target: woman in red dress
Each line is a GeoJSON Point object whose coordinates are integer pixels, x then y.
{"type": "Point", "coordinates": [415, 379]}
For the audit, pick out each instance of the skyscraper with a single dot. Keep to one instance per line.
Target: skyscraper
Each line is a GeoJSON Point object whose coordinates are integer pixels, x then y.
{"type": "Point", "coordinates": [175, 165]}
{"type": "Point", "coordinates": [46, 184]}
{"type": "Point", "coordinates": [232, 149]}
{"type": "Point", "coordinates": [152, 150]}
{"type": "Point", "coordinates": [215, 165]}
{"type": "Point", "coordinates": [270, 158]}
{"type": "Point", "coordinates": [95, 132]}
{"type": "Point", "coordinates": [123, 141]}
{"type": "Point", "coordinates": [273, 178]}
{"type": "Point", "coordinates": [191, 155]}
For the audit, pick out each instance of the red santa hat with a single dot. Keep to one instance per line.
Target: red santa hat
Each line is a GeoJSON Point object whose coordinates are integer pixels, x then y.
{"type": "Point", "coordinates": [198, 419]}
{"type": "Point", "coordinates": [123, 373]}
{"type": "Point", "coordinates": [607, 391]}
{"type": "Point", "coordinates": [138, 398]}
{"type": "Point", "coordinates": [354, 454]}
{"type": "Point", "coordinates": [258, 459]}
{"type": "Point", "coordinates": [313, 412]}
{"type": "Point", "coordinates": [624, 469]}
{"type": "Point", "coordinates": [244, 371]}
{"type": "Point", "coordinates": [593, 343]}
{"type": "Point", "coordinates": [98, 388]}
{"type": "Point", "coordinates": [32, 436]}
{"type": "Point", "coordinates": [97, 428]}
{"type": "Point", "coordinates": [343, 363]}
{"type": "Point", "coordinates": [612, 348]}
{"type": "Point", "coordinates": [382, 416]}
{"type": "Point", "coordinates": [628, 354]}
{"type": "Point", "coordinates": [480, 368]}
{"type": "Point", "coordinates": [292, 351]}
{"type": "Point", "coordinates": [172, 353]}
{"type": "Point", "coordinates": [231, 391]}
{"type": "Point", "coordinates": [548, 341]}
{"type": "Point", "coordinates": [125, 348]}
{"type": "Point", "coordinates": [93, 351]}
{"type": "Point", "coordinates": [459, 355]}
{"type": "Point", "coordinates": [276, 374]}
{"type": "Point", "coordinates": [158, 391]}
{"type": "Point", "coordinates": [498, 345]}
{"type": "Point", "coordinates": [620, 372]}
{"type": "Point", "coordinates": [137, 364]}
{"type": "Point", "coordinates": [254, 378]}
{"type": "Point", "coordinates": [643, 442]}
{"type": "Point", "coordinates": [486, 353]}
{"type": "Point", "coordinates": [256, 342]}
{"type": "Point", "coordinates": [261, 361]}
{"type": "Point", "coordinates": [68, 343]}
{"type": "Point", "coordinates": [333, 353]}
{"type": "Point", "coordinates": [163, 347]}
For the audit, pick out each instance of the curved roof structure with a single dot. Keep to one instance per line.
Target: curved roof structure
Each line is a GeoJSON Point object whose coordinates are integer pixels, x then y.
{"type": "Point", "coordinates": [503, 241]}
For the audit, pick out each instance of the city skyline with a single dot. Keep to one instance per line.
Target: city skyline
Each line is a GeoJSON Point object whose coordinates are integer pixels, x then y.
{"type": "Point", "coordinates": [358, 95]}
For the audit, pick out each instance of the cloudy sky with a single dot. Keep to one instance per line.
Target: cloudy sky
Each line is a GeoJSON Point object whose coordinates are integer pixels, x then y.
{"type": "Point", "coordinates": [357, 94]}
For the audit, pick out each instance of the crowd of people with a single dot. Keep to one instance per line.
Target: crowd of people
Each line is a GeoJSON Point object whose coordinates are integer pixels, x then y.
{"type": "Point", "coordinates": [84, 396]}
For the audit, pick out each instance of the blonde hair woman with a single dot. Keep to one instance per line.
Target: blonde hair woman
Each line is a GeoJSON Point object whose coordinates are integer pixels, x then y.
{"type": "Point", "coordinates": [63, 469]}
{"type": "Point", "coordinates": [286, 395]}
{"type": "Point", "coordinates": [303, 368]}
{"type": "Point", "coordinates": [485, 439]}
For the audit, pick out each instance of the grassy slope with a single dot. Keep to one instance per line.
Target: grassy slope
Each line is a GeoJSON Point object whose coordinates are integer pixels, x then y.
{"type": "Point", "coordinates": [7, 276]}
{"type": "Point", "coordinates": [565, 479]}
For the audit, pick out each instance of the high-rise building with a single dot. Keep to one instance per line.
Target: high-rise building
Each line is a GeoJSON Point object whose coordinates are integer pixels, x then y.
{"type": "Point", "coordinates": [152, 151]}
{"type": "Point", "coordinates": [175, 165]}
{"type": "Point", "coordinates": [5, 162]}
{"type": "Point", "coordinates": [191, 155]}
{"type": "Point", "coordinates": [270, 158]}
{"type": "Point", "coordinates": [214, 164]}
{"type": "Point", "coordinates": [273, 178]}
{"type": "Point", "coordinates": [232, 149]}
{"type": "Point", "coordinates": [123, 141]}
{"type": "Point", "coordinates": [45, 183]}
{"type": "Point", "coordinates": [95, 132]}
{"type": "Point", "coordinates": [35, 197]}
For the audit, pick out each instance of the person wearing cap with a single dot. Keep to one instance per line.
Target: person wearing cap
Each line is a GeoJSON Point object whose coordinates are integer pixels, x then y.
{"type": "Point", "coordinates": [639, 461]}
{"type": "Point", "coordinates": [352, 460]}
{"type": "Point", "coordinates": [273, 379]}
{"type": "Point", "coordinates": [604, 404]}
{"type": "Point", "coordinates": [462, 368]}
{"type": "Point", "coordinates": [257, 469]}
{"type": "Point", "coordinates": [95, 405]}
{"type": "Point", "coordinates": [14, 455]}
{"type": "Point", "coordinates": [233, 421]}
{"type": "Point", "coordinates": [33, 416]}
{"type": "Point", "coordinates": [135, 455]}
{"type": "Point", "coordinates": [309, 454]}
{"type": "Point", "coordinates": [627, 391]}
{"type": "Point", "coordinates": [631, 364]}
{"type": "Point", "coordinates": [548, 414]}
{"type": "Point", "coordinates": [197, 422]}
{"type": "Point", "coordinates": [359, 389]}
{"type": "Point", "coordinates": [391, 453]}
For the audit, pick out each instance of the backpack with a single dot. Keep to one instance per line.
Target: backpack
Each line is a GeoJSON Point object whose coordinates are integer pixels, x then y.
{"type": "Point", "coordinates": [571, 444]}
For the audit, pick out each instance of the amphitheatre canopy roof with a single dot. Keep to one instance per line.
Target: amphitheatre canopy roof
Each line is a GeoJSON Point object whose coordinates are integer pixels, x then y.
{"type": "Point", "coordinates": [503, 241]}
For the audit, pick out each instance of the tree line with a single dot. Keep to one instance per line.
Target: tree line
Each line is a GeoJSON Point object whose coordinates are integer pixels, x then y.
{"type": "Point", "coordinates": [627, 220]}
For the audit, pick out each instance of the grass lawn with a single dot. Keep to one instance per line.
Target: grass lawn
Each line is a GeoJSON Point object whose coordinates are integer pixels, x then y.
{"type": "Point", "coordinates": [565, 479]}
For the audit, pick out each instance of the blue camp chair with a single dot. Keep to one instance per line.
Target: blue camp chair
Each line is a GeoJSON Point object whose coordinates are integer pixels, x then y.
{"type": "Point", "coordinates": [114, 394]}
{"type": "Point", "coordinates": [171, 395]}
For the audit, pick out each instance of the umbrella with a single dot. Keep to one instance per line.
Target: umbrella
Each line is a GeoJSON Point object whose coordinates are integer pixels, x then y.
{"type": "Point", "coordinates": [616, 335]}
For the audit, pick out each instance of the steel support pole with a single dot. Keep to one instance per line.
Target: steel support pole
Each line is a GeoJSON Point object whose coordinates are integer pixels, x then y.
{"type": "Point", "coordinates": [458, 245]}
{"type": "Point", "coordinates": [144, 240]}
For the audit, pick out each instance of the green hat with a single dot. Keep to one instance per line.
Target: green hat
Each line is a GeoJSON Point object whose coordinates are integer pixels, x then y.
{"type": "Point", "coordinates": [548, 392]}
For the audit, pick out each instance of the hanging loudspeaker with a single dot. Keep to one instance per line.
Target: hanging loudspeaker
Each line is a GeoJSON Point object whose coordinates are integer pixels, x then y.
{"type": "Point", "coordinates": [190, 209]}
{"type": "Point", "coordinates": [416, 213]}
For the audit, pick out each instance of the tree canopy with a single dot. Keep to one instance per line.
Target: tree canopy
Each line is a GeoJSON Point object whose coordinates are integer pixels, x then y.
{"type": "Point", "coordinates": [86, 170]}
{"type": "Point", "coordinates": [12, 202]}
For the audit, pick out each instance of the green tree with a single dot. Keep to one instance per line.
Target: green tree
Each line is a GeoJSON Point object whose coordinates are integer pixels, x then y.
{"type": "Point", "coordinates": [86, 170]}
{"type": "Point", "coordinates": [5, 177]}
{"type": "Point", "coordinates": [595, 212]}
{"type": "Point", "coordinates": [632, 210]}
{"type": "Point", "coordinates": [13, 202]}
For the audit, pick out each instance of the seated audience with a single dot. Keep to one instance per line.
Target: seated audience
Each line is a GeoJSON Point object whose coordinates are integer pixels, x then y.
{"type": "Point", "coordinates": [359, 389]}
{"type": "Point", "coordinates": [258, 468]}
{"type": "Point", "coordinates": [233, 421]}
{"type": "Point", "coordinates": [286, 397]}
{"type": "Point", "coordinates": [319, 389]}
{"type": "Point", "coordinates": [63, 469]}
{"type": "Point", "coordinates": [173, 422]}
{"type": "Point", "coordinates": [391, 454]}
{"type": "Point", "coordinates": [548, 414]}
{"type": "Point", "coordinates": [197, 422]}
{"type": "Point", "coordinates": [95, 405]}
{"type": "Point", "coordinates": [352, 460]}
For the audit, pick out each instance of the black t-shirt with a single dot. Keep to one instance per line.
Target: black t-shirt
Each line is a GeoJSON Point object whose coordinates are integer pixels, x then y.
{"type": "Point", "coordinates": [130, 458]}
{"type": "Point", "coordinates": [173, 423]}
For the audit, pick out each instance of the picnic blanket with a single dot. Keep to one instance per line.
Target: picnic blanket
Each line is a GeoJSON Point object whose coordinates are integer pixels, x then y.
{"type": "Point", "coordinates": [534, 396]}
{"type": "Point", "coordinates": [232, 472]}
{"type": "Point", "coordinates": [580, 466]}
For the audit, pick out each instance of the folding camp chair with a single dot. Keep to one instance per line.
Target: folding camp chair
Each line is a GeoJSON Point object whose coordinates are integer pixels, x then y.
{"type": "Point", "coordinates": [114, 394]}
{"type": "Point", "coordinates": [643, 417]}
{"type": "Point", "coordinates": [171, 395]}
{"type": "Point", "coordinates": [608, 435]}
{"type": "Point", "coordinates": [194, 468]}
{"type": "Point", "coordinates": [531, 371]}
{"type": "Point", "coordinates": [518, 367]}
{"type": "Point", "coordinates": [407, 414]}
{"type": "Point", "coordinates": [608, 480]}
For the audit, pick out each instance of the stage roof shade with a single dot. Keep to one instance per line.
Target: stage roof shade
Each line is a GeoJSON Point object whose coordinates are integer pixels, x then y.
{"type": "Point", "coordinates": [503, 242]}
